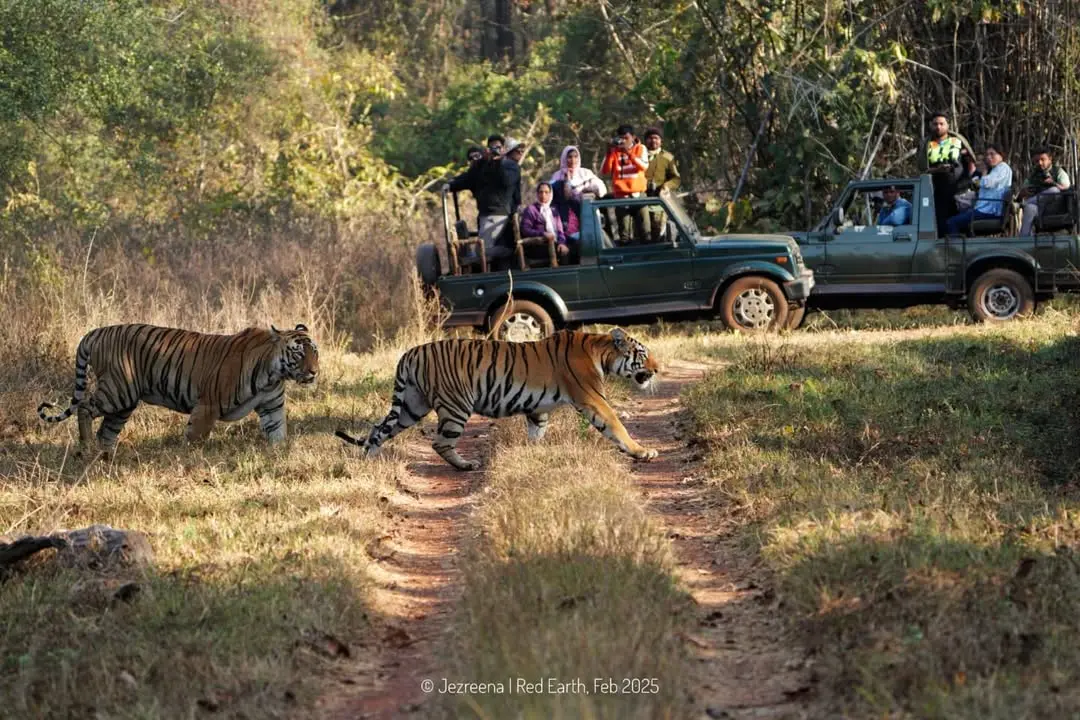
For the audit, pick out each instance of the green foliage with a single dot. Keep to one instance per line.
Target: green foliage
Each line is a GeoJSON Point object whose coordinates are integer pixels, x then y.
{"type": "Point", "coordinates": [205, 110]}
{"type": "Point", "coordinates": [136, 111]}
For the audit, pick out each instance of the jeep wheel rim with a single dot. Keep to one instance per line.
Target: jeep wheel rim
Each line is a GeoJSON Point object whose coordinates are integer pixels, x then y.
{"type": "Point", "coordinates": [521, 327]}
{"type": "Point", "coordinates": [1001, 302]}
{"type": "Point", "coordinates": [754, 308]}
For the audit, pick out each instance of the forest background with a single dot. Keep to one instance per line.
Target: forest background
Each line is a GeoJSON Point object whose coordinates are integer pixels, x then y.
{"type": "Point", "coordinates": [151, 150]}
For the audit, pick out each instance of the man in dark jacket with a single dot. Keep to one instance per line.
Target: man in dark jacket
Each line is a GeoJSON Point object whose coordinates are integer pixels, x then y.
{"type": "Point", "coordinates": [495, 182]}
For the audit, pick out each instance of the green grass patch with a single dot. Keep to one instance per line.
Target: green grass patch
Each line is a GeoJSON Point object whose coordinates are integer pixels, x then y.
{"type": "Point", "coordinates": [916, 497]}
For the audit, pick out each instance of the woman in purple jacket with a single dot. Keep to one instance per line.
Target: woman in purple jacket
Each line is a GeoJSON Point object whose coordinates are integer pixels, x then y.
{"type": "Point", "coordinates": [540, 219]}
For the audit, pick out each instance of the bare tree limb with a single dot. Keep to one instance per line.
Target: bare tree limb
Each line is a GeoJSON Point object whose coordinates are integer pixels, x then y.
{"type": "Point", "coordinates": [616, 39]}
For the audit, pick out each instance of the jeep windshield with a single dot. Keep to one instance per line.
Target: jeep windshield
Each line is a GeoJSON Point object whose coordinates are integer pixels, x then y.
{"type": "Point", "coordinates": [681, 216]}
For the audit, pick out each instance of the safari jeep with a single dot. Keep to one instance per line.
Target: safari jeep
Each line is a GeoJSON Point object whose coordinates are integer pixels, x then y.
{"type": "Point", "coordinates": [753, 283]}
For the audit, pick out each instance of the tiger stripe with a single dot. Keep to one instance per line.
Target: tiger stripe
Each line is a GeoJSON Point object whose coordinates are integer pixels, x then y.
{"type": "Point", "coordinates": [209, 377]}
{"type": "Point", "coordinates": [458, 378]}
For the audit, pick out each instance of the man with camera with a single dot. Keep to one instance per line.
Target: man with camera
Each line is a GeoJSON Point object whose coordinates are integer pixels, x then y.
{"type": "Point", "coordinates": [493, 186]}
{"type": "Point", "coordinates": [626, 163]}
{"type": "Point", "coordinates": [1047, 179]}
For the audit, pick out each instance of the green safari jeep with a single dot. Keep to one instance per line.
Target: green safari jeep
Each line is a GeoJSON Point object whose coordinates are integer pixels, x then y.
{"type": "Point", "coordinates": [752, 282]}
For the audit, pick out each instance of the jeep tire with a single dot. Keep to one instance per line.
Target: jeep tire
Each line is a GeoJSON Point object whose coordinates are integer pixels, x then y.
{"type": "Point", "coordinates": [427, 264]}
{"type": "Point", "coordinates": [520, 321]}
{"type": "Point", "coordinates": [999, 295]}
{"type": "Point", "coordinates": [754, 304]}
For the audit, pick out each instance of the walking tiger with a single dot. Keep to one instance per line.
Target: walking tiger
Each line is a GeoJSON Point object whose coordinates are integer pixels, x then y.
{"type": "Point", "coordinates": [459, 377]}
{"type": "Point", "coordinates": [212, 377]}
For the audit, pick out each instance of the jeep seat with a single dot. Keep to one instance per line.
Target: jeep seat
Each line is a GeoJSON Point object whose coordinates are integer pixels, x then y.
{"type": "Point", "coordinates": [990, 226]}
{"type": "Point", "coordinates": [1057, 211]}
{"type": "Point", "coordinates": [520, 243]}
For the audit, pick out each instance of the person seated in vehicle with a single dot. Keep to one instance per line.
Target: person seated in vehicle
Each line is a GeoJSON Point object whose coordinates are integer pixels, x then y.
{"type": "Point", "coordinates": [895, 210]}
{"type": "Point", "coordinates": [990, 201]}
{"type": "Point", "coordinates": [541, 220]}
{"type": "Point", "coordinates": [568, 184]}
{"type": "Point", "coordinates": [567, 210]}
{"type": "Point", "coordinates": [626, 163]}
{"type": "Point", "coordinates": [1047, 179]}
{"type": "Point", "coordinates": [967, 186]}
{"type": "Point", "coordinates": [661, 175]}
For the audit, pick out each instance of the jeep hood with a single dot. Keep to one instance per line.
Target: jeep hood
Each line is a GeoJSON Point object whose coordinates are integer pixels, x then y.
{"type": "Point", "coordinates": [750, 241]}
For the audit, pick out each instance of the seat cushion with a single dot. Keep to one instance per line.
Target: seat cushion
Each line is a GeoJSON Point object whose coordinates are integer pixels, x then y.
{"type": "Point", "coordinates": [987, 226]}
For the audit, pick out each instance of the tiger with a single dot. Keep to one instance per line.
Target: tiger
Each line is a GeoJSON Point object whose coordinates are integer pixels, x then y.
{"type": "Point", "coordinates": [210, 377]}
{"type": "Point", "coordinates": [459, 377]}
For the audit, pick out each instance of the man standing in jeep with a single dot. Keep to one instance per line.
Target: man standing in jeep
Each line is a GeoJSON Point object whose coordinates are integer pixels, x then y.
{"type": "Point", "coordinates": [943, 164]}
{"type": "Point", "coordinates": [626, 163]}
{"type": "Point", "coordinates": [662, 174]}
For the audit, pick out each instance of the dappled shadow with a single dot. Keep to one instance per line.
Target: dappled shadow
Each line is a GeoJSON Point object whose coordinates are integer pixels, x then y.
{"type": "Point", "coordinates": [960, 402]}
{"type": "Point", "coordinates": [908, 494]}
{"type": "Point", "coordinates": [252, 638]}
{"type": "Point", "coordinates": [746, 663]}
{"type": "Point", "coordinates": [917, 621]}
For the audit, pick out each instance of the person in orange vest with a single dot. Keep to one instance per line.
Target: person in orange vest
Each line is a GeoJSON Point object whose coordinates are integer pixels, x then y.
{"type": "Point", "coordinates": [626, 163]}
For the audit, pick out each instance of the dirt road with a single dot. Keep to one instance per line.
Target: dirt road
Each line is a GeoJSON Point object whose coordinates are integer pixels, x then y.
{"type": "Point", "coordinates": [745, 663]}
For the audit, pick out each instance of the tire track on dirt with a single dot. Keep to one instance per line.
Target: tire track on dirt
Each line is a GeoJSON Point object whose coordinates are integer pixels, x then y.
{"type": "Point", "coordinates": [746, 663]}
{"type": "Point", "coordinates": [418, 584]}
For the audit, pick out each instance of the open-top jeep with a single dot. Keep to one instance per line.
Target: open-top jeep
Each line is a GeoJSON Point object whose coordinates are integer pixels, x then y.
{"type": "Point", "coordinates": [859, 264]}
{"type": "Point", "coordinates": [752, 282]}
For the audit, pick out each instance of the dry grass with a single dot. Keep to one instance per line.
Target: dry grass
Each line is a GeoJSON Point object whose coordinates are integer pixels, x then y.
{"type": "Point", "coordinates": [569, 579]}
{"type": "Point", "coordinates": [915, 493]}
{"type": "Point", "coordinates": [259, 551]}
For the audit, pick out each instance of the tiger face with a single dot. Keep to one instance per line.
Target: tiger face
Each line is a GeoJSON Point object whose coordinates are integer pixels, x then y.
{"type": "Point", "coordinates": [299, 355]}
{"type": "Point", "coordinates": [632, 359]}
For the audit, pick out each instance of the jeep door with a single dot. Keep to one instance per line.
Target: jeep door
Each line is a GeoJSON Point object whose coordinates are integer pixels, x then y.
{"type": "Point", "coordinates": [858, 251]}
{"type": "Point", "coordinates": [652, 276]}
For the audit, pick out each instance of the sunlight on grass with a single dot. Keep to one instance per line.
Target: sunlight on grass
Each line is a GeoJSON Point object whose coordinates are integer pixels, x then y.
{"type": "Point", "coordinates": [568, 578]}
{"type": "Point", "coordinates": [915, 494]}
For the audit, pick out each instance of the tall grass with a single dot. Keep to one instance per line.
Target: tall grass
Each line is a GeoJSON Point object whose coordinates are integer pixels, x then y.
{"type": "Point", "coordinates": [259, 551]}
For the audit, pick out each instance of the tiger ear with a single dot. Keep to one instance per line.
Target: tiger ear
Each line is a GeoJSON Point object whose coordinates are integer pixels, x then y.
{"type": "Point", "coordinates": [301, 327]}
{"type": "Point", "coordinates": [274, 332]}
{"type": "Point", "coordinates": [619, 335]}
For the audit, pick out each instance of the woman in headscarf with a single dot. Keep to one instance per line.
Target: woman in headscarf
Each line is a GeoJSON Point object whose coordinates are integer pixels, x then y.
{"type": "Point", "coordinates": [568, 183]}
{"type": "Point", "coordinates": [540, 219]}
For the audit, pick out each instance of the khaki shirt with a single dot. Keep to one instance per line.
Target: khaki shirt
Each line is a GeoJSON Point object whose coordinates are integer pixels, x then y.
{"type": "Point", "coordinates": [662, 172]}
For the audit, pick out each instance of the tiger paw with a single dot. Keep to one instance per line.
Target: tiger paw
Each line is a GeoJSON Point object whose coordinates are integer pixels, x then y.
{"type": "Point", "coordinates": [469, 466]}
{"type": "Point", "coordinates": [647, 454]}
